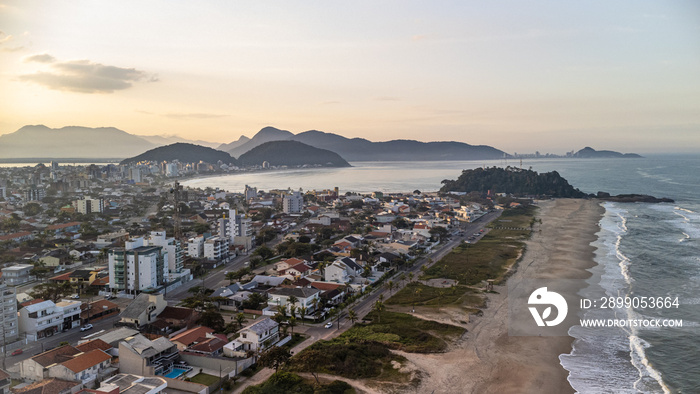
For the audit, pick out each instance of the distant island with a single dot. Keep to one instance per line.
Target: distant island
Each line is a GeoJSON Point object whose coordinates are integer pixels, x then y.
{"type": "Point", "coordinates": [291, 153]}
{"type": "Point", "coordinates": [527, 183]}
{"type": "Point", "coordinates": [590, 153]}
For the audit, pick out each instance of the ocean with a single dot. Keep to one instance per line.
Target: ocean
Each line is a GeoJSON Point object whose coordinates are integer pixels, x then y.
{"type": "Point", "coordinates": [643, 250]}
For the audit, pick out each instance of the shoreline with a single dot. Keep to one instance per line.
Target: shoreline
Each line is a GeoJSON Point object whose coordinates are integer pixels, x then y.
{"type": "Point", "coordinates": [487, 359]}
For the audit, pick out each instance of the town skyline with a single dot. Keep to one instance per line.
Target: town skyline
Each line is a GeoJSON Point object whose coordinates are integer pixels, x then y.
{"type": "Point", "coordinates": [517, 77]}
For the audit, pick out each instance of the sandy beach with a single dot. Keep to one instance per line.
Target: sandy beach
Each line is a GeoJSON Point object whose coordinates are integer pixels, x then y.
{"type": "Point", "coordinates": [487, 359]}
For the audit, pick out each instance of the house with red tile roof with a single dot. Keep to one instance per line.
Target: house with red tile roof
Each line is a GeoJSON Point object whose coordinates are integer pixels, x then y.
{"type": "Point", "coordinates": [49, 386]}
{"type": "Point", "coordinates": [190, 337]}
{"type": "Point", "coordinates": [83, 367]}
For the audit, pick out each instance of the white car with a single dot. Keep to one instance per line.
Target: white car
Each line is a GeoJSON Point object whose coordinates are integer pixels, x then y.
{"type": "Point", "coordinates": [328, 325]}
{"type": "Point", "coordinates": [75, 296]}
{"type": "Point", "coordinates": [86, 327]}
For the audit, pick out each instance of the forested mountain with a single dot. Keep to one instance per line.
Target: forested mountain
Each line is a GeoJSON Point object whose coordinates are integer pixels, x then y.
{"type": "Point", "coordinates": [291, 153]}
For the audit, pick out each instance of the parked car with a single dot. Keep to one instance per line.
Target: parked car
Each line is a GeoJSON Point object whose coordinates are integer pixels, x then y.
{"type": "Point", "coordinates": [86, 327]}
{"type": "Point", "coordinates": [328, 325]}
{"type": "Point", "coordinates": [17, 352]}
{"type": "Point", "coordinates": [75, 296]}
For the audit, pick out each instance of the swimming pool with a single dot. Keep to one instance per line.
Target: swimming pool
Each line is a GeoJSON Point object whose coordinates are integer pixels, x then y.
{"type": "Point", "coordinates": [175, 373]}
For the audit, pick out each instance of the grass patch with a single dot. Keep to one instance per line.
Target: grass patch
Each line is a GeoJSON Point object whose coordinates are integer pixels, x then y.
{"type": "Point", "coordinates": [205, 379]}
{"type": "Point", "coordinates": [421, 294]}
{"type": "Point", "coordinates": [490, 257]}
{"type": "Point", "coordinates": [286, 382]}
{"type": "Point", "coordinates": [363, 350]}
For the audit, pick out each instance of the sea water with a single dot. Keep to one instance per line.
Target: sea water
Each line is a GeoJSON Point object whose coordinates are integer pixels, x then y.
{"type": "Point", "coordinates": [642, 250]}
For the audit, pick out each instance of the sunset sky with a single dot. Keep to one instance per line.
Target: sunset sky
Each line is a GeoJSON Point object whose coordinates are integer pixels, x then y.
{"type": "Point", "coordinates": [552, 76]}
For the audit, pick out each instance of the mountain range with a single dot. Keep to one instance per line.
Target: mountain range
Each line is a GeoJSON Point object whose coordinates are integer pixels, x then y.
{"type": "Point", "coordinates": [360, 149]}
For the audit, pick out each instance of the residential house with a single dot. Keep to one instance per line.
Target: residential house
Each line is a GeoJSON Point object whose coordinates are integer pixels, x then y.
{"type": "Point", "coordinates": [305, 298]}
{"type": "Point", "coordinates": [5, 382]}
{"type": "Point", "coordinates": [98, 310]}
{"type": "Point", "coordinates": [56, 258]}
{"type": "Point", "coordinates": [84, 367]}
{"type": "Point", "coordinates": [113, 337]}
{"type": "Point", "coordinates": [131, 384]}
{"type": "Point", "coordinates": [36, 368]}
{"type": "Point", "coordinates": [342, 271]}
{"type": "Point", "coordinates": [50, 386]}
{"type": "Point", "coordinates": [190, 337]}
{"type": "Point", "coordinates": [70, 310]}
{"type": "Point", "coordinates": [255, 337]}
{"type": "Point", "coordinates": [176, 317]}
{"type": "Point", "coordinates": [17, 274]}
{"type": "Point", "coordinates": [140, 356]}
{"type": "Point", "coordinates": [143, 310]}
{"type": "Point", "coordinates": [40, 320]}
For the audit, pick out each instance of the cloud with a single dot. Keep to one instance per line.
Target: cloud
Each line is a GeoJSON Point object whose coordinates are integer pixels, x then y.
{"type": "Point", "coordinates": [184, 115]}
{"type": "Point", "coordinates": [43, 58]}
{"type": "Point", "coordinates": [193, 116]}
{"type": "Point", "coordinates": [84, 76]}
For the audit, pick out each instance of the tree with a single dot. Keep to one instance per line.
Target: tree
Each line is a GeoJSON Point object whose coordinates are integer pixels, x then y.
{"type": "Point", "coordinates": [302, 313]}
{"type": "Point", "coordinates": [292, 323]}
{"type": "Point", "coordinates": [438, 232]}
{"type": "Point", "coordinates": [254, 301]}
{"type": "Point", "coordinates": [275, 357]}
{"type": "Point", "coordinates": [390, 286]}
{"type": "Point", "coordinates": [264, 252]}
{"type": "Point", "coordinates": [352, 315]}
{"type": "Point", "coordinates": [212, 319]}
{"type": "Point", "coordinates": [416, 291]}
{"type": "Point", "coordinates": [240, 318]}
{"type": "Point", "coordinates": [32, 209]}
{"type": "Point", "coordinates": [51, 291]}
{"type": "Point", "coordinates": [311, 360]}
{"type": "Point", "coordinates": [232, 276]}
{"type": "Point", "coordinates": [293, 301]}
{"type": "Point", "coordinates": [40, 271]}
{"type": "Point", "coordinates": [379, 308]}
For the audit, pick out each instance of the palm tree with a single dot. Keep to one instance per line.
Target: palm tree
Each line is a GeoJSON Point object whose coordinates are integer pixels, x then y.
{"type": "Point", "coordinates": [302, 313]}
{"type": "Point", "coordinates": [390, 285]}
{"type": "Point", "coordinates": [352, 315]}
{"type": "Point", "coordinates": [293, 300]}
{"type": "Point", "coordinates": [293, 311]}
{"type": "Point", "coordinates": [416, 292]}
{"type": "Point", "coordinates": [410, 277]}
{"type": "Point", "coordinates": [292, 323]}
{"type": "Point", "coordinates": [379, 308]}
{"type": "Point", "coordinates": [441, 294]}
{"type": "Point", "coordinates": [240, 318]}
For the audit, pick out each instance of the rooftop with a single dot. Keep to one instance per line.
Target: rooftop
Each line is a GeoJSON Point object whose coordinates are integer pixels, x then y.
{"type": "Point", "coordinates": [86, 360]}
{"type": "Point", "coordinates": [55, 356]}
{"type": "Point", "coordinates": [188, 337]}
{"type": "Point", "coordinates": [48, 386]}
{"type": "Point", "coordinates": [296, 292]}
{"type": "Point", "coordinates": [261, 326]}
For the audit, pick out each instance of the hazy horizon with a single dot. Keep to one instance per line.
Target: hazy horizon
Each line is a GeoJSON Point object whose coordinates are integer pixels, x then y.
{"type": "Point", "coordinates": [521, 77]}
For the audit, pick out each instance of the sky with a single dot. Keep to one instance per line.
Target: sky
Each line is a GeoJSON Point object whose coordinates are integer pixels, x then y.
{"type": "Point", "coordinates": [547, 76]}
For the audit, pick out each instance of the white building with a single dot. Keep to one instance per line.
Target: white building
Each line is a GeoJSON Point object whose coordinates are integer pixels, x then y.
{"type": "Point", "coordinates": [137, 267]}
{"type": "Point", "coordinates": [70, 309]}
{"type": "Point", "coordinates": [17, 274]}
{"type": "Point", "coordinates": [216, 249]}
{"type": "Point", "coordinates": [40, 320]}
{"type": "Point", "coordinates": [250, 192]}
{"type": "Point", "coordinates": [195, 247]}
{"type": "Point", "coordinates": [8, 318]}
{"type": "Point", "coordinates": [89, 205]}
{"type": "Point", "coordinates": [256, 337]}
{"type": "Point", "coordinates": [305, 298]}
{"type": "Point", "coordinates": [173, 247]}
{"type": "Point", "coordinates": [293, 203]}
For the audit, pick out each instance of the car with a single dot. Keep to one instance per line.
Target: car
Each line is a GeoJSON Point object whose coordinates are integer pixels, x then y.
{"type": "Point", "coordinates": [75, 296]}
{"type": "Point", "coordinates": [328, 325]}
{"type": "Point", "coordinates": [16, 352]}
{"type": "Point", "coordinates": [86, 327]}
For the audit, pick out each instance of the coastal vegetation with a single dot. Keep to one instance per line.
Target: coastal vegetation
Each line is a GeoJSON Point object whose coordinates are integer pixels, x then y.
{"type": "Point", "coordinates": [493, 255]}
{"type": "Point", "coordinates": [514, 181]}
{"type": "Point", "coordinates": [363, 351]}
{"type": "Point", "coordinates": [287, 382]}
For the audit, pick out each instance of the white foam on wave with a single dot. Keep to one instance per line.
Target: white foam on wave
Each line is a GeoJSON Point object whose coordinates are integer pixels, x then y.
{"type": "Point", "coordinates": [638, 348]}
